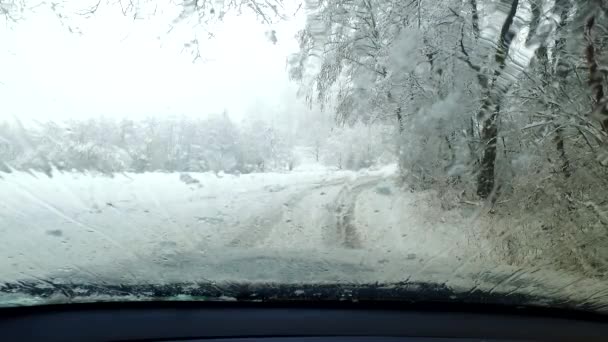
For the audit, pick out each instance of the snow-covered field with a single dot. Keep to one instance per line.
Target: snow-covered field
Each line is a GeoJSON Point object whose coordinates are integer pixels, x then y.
{"type": "Point", "coordinates": [309, 225]}
{"type": "Point", "coordinates": [75, 221]}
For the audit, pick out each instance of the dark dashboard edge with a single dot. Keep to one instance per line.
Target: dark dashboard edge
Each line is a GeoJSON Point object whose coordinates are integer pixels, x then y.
{"type": "Point", "coordinates": [418, 307]}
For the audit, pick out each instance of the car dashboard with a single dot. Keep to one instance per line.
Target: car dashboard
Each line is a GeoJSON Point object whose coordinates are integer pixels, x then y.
{"type": "Point", "coordinates": [293, 322]}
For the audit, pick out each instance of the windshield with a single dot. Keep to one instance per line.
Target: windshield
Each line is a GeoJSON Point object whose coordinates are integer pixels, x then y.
{"type": "Point", "coordinates": [354, 149]}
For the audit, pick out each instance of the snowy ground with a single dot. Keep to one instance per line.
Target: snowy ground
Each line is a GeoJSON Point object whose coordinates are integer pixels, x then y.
{"type": "Point", "coordinates": [310, 225]}
{"type": "Point", "coordinates": [77, 220]}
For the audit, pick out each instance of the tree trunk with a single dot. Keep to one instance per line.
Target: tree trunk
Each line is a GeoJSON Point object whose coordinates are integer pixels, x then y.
{"type": "Point", "coordinates": [399, 119]}
{"type": "Point", "coordinates": [491, 108]}
{"type": "Point", "coordinates": [398, 113]}
{"type": "Point", "coordinates": [562, 73]}
{"type": "Point", "coordinates": [475, 18]}
{"type": "Point", "coordinates": [489, 135]}
{"type": "Point", "coordinates": [596, 78]}
{"type": "Point", "coordinates": [559, 142]}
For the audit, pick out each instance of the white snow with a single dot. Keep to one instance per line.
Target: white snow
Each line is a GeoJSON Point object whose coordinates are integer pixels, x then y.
{"type": "Point", "coordinates": [317, 226]}
{"type": "Point", "coordinates": [73, 220]}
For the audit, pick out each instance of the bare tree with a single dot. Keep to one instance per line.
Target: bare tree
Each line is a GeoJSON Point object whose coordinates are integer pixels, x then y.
{"type": "Point", "coordinates": [490, 108]}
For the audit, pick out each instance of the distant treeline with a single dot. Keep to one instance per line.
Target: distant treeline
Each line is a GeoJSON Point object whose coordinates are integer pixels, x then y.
{"type": "Point", "coordinates": [185, 144]}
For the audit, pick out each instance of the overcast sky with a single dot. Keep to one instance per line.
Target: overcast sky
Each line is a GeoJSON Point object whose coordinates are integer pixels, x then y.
{"type": "Point", "coordinates": [122, 67]}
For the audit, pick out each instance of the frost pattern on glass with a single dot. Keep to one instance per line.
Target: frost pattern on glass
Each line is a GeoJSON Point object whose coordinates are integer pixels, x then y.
{"type": "Point", "coordinates": [452, 148]}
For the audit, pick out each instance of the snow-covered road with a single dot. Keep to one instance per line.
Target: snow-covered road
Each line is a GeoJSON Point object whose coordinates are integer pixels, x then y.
{"type": "Point", "coordinates": [306, 226]}
{"type": "Point", "coordinates": [76, 222]}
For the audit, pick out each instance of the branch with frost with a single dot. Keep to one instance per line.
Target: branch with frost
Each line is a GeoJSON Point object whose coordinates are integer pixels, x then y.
{"type": "Point", "coordinates": [596, 76]}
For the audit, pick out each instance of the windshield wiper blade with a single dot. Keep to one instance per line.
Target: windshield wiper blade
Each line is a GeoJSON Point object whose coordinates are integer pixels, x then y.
{"type": "Point", "coordinates": [404, 292]}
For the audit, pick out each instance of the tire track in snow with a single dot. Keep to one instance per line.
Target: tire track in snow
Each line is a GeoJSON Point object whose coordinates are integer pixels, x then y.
{"type": "Point", "coordinates": [258, 229]}
{"type": "Point", "coordinates": [310, 220]}
{"type": "Point", "coordinates": [346, 232]}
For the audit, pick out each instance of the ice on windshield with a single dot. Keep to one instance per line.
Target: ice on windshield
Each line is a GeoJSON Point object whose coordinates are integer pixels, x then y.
{"type": "Point", "coordinates": [461, 144]}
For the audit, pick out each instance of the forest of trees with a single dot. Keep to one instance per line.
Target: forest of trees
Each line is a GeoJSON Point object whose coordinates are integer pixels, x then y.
{"type": "Point", "coordinates": [168, 144]}
{"type": "Point", "coordinates": [481, 91]}
{"type": "Point", "coordinates": [499, 103]}
{"type": "Point", "coordinates": [184, 144]}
